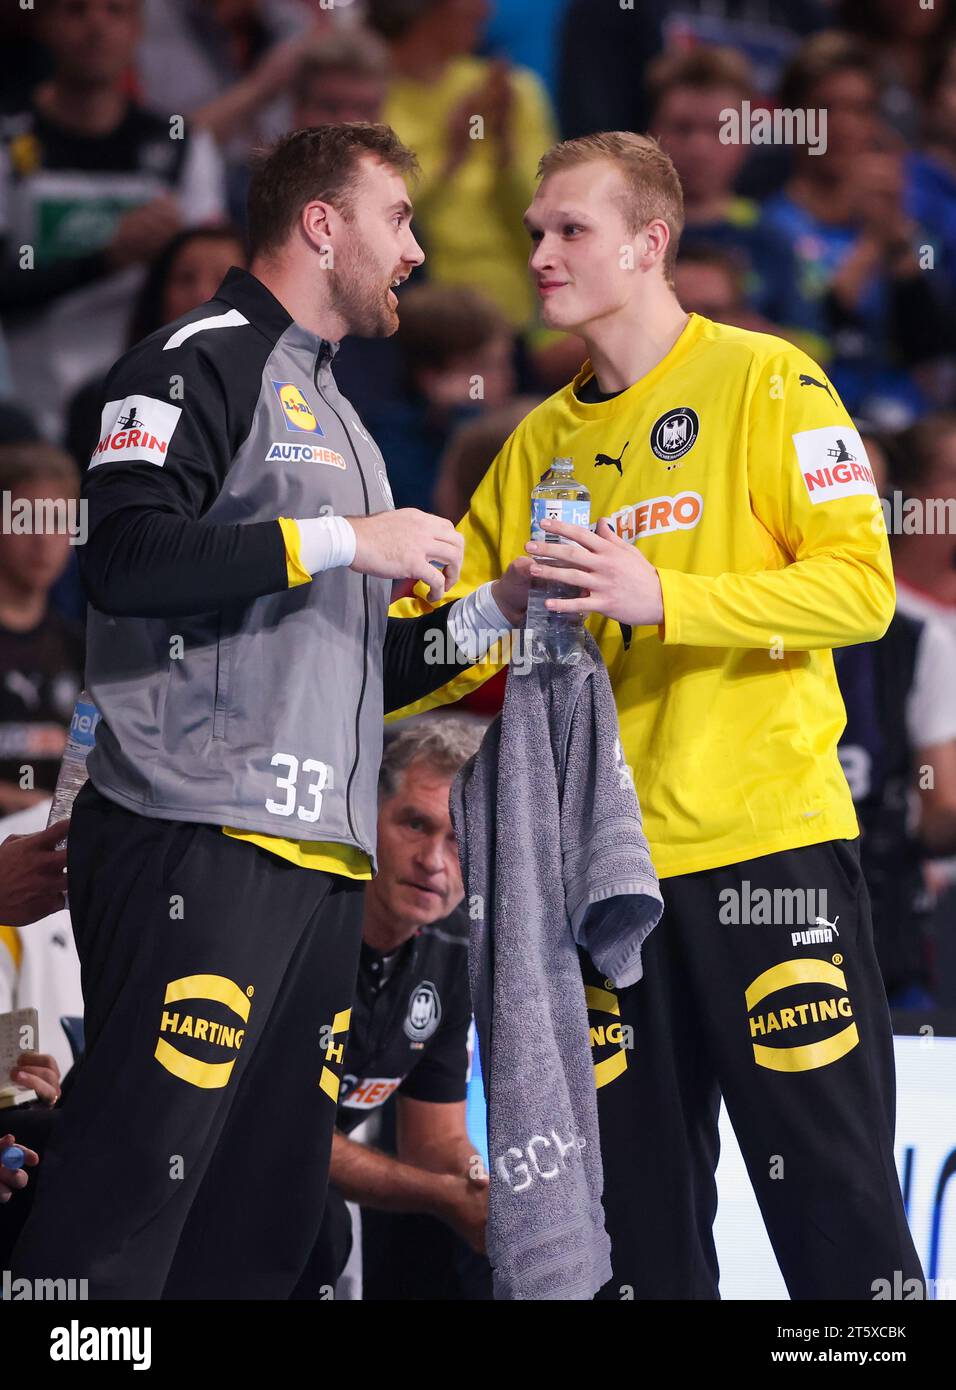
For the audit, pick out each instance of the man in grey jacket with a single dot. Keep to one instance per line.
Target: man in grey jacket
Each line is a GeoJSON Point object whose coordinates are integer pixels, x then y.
{"type": "Point", "coordinates": [242, 544]}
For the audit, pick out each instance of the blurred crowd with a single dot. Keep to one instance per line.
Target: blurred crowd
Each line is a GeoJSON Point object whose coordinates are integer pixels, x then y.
{"type": "Point", "coordinates": [128, 129]}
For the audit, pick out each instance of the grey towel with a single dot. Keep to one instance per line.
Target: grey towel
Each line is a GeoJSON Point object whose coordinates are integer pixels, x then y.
{"type": "Point", "coordinates": [553, 856]}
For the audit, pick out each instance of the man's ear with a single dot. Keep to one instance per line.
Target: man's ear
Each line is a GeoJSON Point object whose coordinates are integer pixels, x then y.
{"type": "Point", "coordinates": [318, 223]}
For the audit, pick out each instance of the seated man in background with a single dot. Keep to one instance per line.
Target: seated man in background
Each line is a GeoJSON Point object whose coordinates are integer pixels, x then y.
{"type": "Point", "coordinates": [41, 652]}
{"type": "Point", "coordinates": [412, 1009]}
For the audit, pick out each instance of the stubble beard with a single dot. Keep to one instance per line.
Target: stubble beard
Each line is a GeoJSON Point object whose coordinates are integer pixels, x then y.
{"type": "Point", "coordinates": [357, 295]}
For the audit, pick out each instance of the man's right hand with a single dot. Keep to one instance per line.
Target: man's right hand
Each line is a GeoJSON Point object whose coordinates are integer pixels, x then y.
{"type": "Point", "coordinates": [404, 545]}
{"type": "Point", "coordinates": [463, 1206]}
{"type": "Point", "coordinates": [32, 881]}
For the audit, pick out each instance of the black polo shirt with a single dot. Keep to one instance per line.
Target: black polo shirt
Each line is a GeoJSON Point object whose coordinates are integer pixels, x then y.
{"type": "Point", "coordinates": [410, 1020]}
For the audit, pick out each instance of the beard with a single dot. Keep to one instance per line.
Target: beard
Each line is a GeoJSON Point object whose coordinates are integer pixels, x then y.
{"type": "Point", "coordinates": [358, 295]}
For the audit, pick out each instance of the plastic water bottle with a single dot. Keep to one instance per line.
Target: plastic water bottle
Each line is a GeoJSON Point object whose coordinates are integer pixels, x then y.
{"type": "Point", "coordinates": [72, 772]}
{"type": "Point", "coordinates": [560, 497]}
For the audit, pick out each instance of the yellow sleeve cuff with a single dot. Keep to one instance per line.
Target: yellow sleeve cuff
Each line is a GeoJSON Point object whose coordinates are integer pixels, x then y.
{"type": "Point", "coordinates": [669, 630]}
{"type": "Point", "coordinates": [295, 572]}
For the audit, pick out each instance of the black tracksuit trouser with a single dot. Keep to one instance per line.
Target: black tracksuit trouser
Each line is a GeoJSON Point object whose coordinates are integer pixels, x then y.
{"type": "Point", "coordinates": [788, 1021]}
{"type": "Point", "coordinates": [191, 1160]}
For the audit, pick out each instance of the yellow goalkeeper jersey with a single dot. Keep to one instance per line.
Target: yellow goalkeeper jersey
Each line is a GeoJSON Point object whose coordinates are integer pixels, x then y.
{"type": "Point", "coordinates": [736, 470]}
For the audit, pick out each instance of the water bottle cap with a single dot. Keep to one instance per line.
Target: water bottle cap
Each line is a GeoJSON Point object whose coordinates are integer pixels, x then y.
{"type": "Point", "coordinates": [563, 463]}
{"type": "Point", "coordinates": [12, 1157]}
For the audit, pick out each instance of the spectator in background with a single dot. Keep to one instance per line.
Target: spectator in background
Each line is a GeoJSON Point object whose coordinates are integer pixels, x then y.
{"type": "Point", "coordinates": [478, 128]}
{"type": "Point", "coordinates": [41, 653]}
{"type": "Point", "coordinates": [470, 452]}
{"type": "Point", "coordinates": [765, 32]}
{"type": "Point", "coordinates": [904, 40]}
{"type": "Point", "coordinates": [343, 78]}
{"type": "Point", "coordinates": [604, 50]}
{"type": "Point", "coordinates": [527, 35]}
{"type": "Point", "coordinates": [226, 62]}
{"type": "Point", "coordinates": [711, 281]}
{"type": "Point", "coordinates": [931, 172]}
{"type": "Point", "coordinates": [690, 94]}
{"type": "Point", "coordinates": [188, 271]}
{"type": "Point", "coordinates": [924, 497]}
{"type": "Point", "coordinates": [456, 351]}
{"type": "Point", "coordinates": [94, 186]}
{"type": "Point", "coordinates": [858, 250]}
{"type": "Point", "coordinates": [901, 720]}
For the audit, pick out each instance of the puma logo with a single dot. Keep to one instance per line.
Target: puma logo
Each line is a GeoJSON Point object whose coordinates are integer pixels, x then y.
{"type": "Point", "coordinates": [806, 380]}
{"type": "Point", "coordinates": [602, 459]}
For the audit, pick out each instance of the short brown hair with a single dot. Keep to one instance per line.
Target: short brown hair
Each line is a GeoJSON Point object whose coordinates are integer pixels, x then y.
{"type": "Point", "coordinates": [652, 186]}
{"type": "Point", "coordinates": [321, 162]}
{"type": "Point", "coordinates": [702, 68]}
{"type": "Point", "coordinates": [914, 452]}
{"type": "Point", "coordinates": [820, 57]}
{"type": "Point", "coordinates": [439, 322]}
{"type": "Point", "coordinates": [358, 52]}
{"type": "Point", "coordinates": [471, 451]}
{"type": "Point", "coordinates": [22, 463]}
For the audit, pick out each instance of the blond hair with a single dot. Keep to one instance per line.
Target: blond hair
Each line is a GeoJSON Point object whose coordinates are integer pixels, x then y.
{"type": "Point", "coordinates": [652, 188]}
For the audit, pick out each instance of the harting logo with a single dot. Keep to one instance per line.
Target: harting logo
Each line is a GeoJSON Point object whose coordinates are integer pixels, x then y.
{"type": "Point", "coordinates": [809, 1016]}
{"type": "Point", "coordinates": [210, 1036]}
{"type": "Point", "coordinates": [334, 1052]}
{"type": "Point", "coordinates": [608, 1043]}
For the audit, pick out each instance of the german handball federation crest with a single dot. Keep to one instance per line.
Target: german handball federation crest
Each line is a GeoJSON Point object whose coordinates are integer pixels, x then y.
{"type": "Point", "coordinates": [675, 433]}
{"type": "Point", "coordinates": [424, 1012]}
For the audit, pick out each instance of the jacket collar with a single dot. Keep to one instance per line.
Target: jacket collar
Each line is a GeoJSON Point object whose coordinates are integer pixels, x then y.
{"type": "Point", "coordinates": [245, 292]}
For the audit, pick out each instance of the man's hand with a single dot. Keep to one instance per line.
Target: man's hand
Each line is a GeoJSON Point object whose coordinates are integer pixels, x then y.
{"type": "Point", "coordinates": [40, 1072]}
{"type": "Point", "coordinates": [32, 878]}
{"type": "Point", "coordinates": [407, 544]}
{"type": "Point", "coordinates": [510, 592]}
{"type": "Point", "coordinates": [463, 1206]}
{"type": "Point", "coordinates": [142, 232]}
{"type": "Point", "coordinates": [11, 1180]}
{"type": "Point", "coordinates": [614, 577]}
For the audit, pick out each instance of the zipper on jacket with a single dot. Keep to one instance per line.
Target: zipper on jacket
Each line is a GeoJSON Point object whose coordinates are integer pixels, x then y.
{"type": "Point", "coordinates": [358, 708]}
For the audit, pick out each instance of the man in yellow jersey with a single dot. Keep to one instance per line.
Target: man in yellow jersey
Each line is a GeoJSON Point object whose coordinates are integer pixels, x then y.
{"type": "Point", "coordinates": [740, 540]}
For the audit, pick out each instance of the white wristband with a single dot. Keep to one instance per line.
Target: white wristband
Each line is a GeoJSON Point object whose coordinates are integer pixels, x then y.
{"type": "Point", "coordinates": [326, 541]}
{"type": "Point", "coordinates": [477, 623]}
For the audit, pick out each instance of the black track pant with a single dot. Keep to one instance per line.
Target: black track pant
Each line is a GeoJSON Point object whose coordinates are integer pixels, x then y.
{"type": "Point", "coordinates": [192, 1157]}
{"type": "Point", "coordinates": [795, 1033]}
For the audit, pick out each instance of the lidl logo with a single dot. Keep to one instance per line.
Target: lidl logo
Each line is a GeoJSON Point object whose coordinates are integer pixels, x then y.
{"type": "Point", "coordinates": [810, 1024]}
{"type": "Point", "coordinates": [204, 1009]}
{"type": "Point", "coordinates": [296, 409]}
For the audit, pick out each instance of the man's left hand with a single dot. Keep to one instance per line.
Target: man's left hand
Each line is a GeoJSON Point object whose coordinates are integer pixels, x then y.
{"type": "Point", "coordinates": [614, 577]}
{"type": "Point", "coordinates": [40, 1072]}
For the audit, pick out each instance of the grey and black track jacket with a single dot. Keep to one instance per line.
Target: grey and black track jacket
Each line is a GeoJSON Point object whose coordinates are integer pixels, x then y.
{"type": "Point", "coordinates": [233, 690]}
